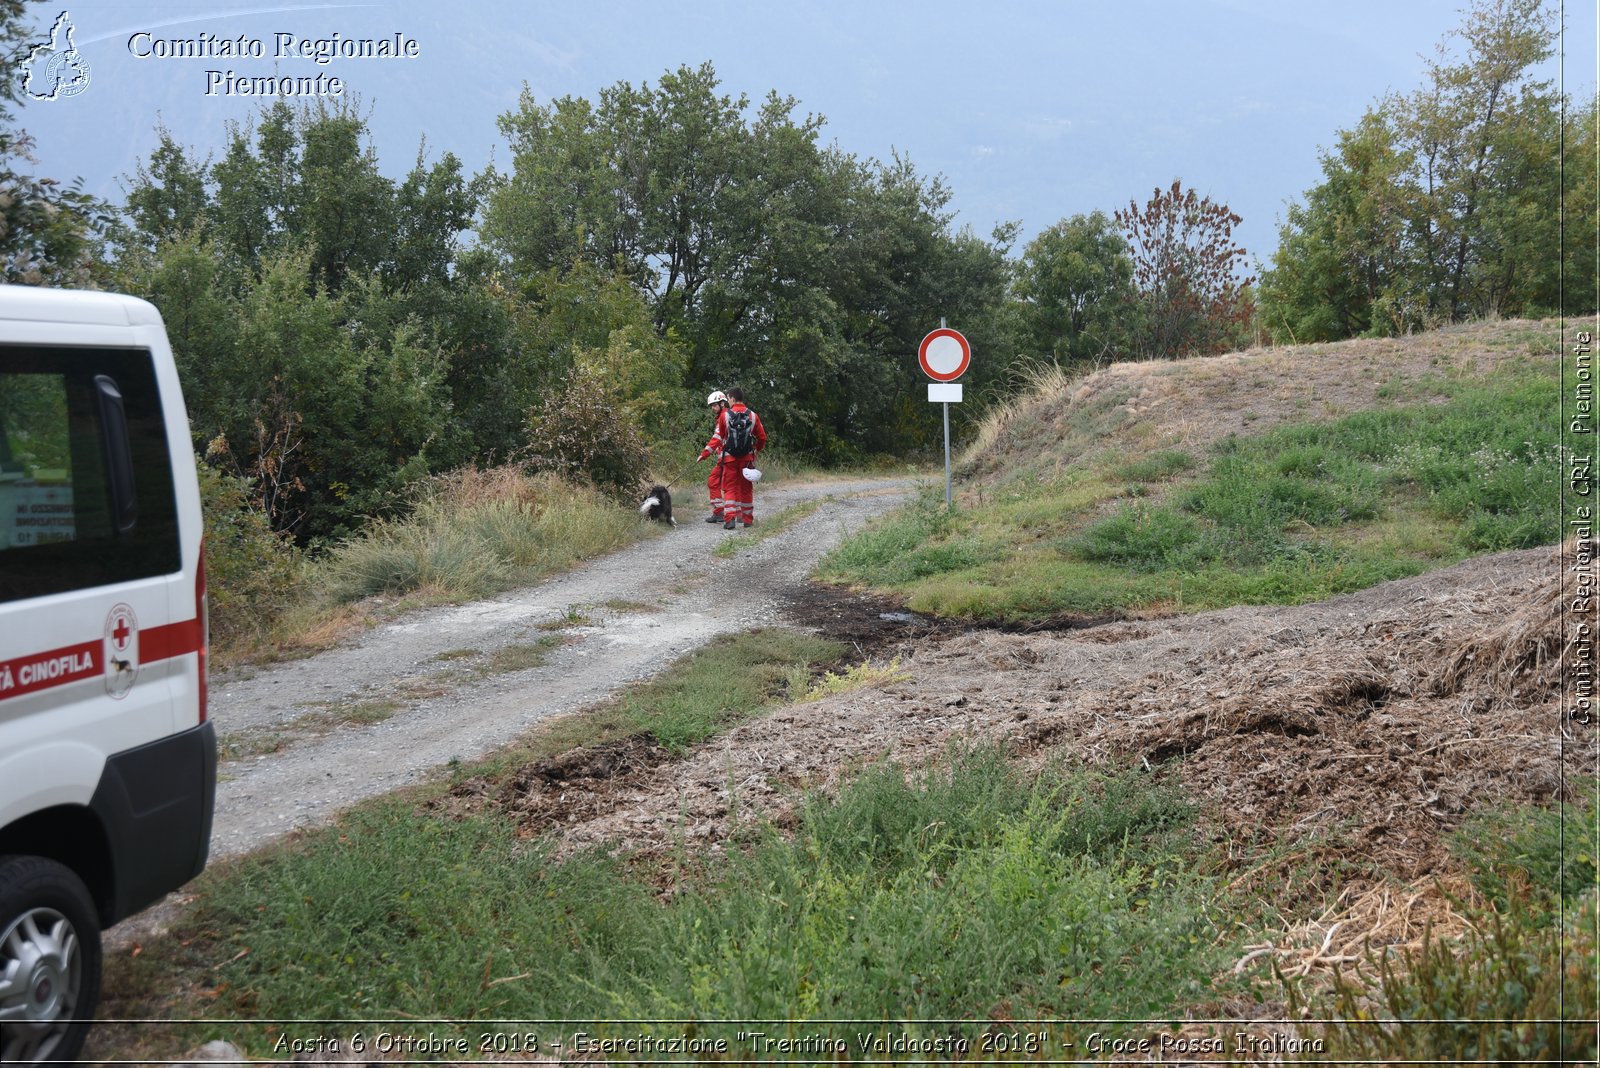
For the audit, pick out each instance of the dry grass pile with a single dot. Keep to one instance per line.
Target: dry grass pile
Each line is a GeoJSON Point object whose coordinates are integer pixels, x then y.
{"type": "Point", "coordinates": [1348, 729]}
{"type": "Point", "coordinates": [1365, 919]}
{"type": "Point", "coordinates": [1523, 657]}
{"type": "Point", "coordinates": [1310, 734]}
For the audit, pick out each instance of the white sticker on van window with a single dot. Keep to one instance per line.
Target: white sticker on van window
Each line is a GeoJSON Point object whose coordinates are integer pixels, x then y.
{"type": "Point", "coordinates": [122, 650]}
{"type": "Point", "coordinates": [33, 514]}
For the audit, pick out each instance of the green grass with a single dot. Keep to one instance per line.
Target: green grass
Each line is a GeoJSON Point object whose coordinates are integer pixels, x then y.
{"type": "Point", "coordinates": [769, 528]}
{"type": "Point", "coordinates": [1520, 987]}
{"type": "Point", "coordinates": [964, 891]}
{"type": "Point", "coordinates": [951, 893]}
{"type": "Point", "coordinates": [1155, 468]}
{"type": "Point", "coordinates": [1543, 856]}
{"type": "Point", "coordinates": [1292, 515]}
{"type": "Point", "coordinates": [917, 541]}
{"type": "Point", "coordinates": [721, 683]}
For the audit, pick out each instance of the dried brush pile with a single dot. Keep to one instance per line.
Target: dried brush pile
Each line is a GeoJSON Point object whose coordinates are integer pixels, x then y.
{"type": "Point", "coordinates": [1524, 658]}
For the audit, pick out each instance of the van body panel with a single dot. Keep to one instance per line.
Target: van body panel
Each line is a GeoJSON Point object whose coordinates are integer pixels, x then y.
{"type": "Point", "coordinates": [37, 777]}
{"type": "Point", "coordinates": [76, 307]}
{"type": "Point", "coordinates": [155, 803]}
{"type": "Point", "coordinates": [107, 763]}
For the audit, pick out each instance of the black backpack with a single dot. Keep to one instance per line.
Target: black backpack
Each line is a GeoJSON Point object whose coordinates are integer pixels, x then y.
{"type": "Point", "coordinates": [741, 434]}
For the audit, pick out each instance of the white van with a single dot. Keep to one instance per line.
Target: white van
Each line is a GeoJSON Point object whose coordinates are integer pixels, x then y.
{"type": "Point", "coordinates": [107, 762]}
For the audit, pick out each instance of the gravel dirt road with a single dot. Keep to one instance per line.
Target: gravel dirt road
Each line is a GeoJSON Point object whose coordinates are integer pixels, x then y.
{"type": "Point", "coordinates": [436, 683]}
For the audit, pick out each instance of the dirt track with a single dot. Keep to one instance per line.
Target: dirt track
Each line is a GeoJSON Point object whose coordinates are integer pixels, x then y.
{"type": "Point", "coordinates": [612, 622]}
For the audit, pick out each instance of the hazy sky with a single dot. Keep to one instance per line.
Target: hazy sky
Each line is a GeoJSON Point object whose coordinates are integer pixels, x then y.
{"type": "Point", "coordinates": [1031, 111]}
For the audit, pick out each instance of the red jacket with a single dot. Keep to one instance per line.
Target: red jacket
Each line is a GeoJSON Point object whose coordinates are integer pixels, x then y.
{"type": "Point", "coordinates": [720, 434]}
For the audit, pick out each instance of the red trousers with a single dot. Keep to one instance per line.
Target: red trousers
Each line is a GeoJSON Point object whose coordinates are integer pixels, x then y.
{"type": "Point", "coordinates": [714, 486]}
{"type": "Point", "coordinates": [738, 494]}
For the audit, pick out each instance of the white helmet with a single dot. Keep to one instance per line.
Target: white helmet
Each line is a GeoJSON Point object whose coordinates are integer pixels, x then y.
{"type": "Point", "coordinates": [717, 397]}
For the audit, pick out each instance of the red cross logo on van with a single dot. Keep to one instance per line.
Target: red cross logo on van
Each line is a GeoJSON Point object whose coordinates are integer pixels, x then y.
{"type": "Point", "coordinates": [122, 650]}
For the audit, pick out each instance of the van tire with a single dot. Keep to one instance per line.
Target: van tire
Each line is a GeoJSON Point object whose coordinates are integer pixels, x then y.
{"type": "Point", "coordinates": [49, 961]}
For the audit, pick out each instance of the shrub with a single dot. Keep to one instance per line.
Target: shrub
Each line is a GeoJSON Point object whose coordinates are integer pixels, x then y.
{"type": "Point", "coordinates": [252, 573]}
{"type": "Point", "coordinates": [1517, 990]}
{"type": "Point", "coordinates": [584, 431]}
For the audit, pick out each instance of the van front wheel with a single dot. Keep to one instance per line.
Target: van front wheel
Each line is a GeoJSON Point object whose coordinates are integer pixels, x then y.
{"type": "Point", "coordinates": [49, 961]}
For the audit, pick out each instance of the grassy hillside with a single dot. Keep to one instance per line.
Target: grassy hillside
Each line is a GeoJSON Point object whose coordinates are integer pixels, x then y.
{"type": "Point", "coordinates": [1271, 476]}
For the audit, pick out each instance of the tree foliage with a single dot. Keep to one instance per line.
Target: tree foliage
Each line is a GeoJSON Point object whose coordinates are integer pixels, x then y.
{"type": "Point", "coordinates": [1444, 203]}
{"type": "Point", "coordinates": [50, 233]}
{"type": "Point", "coordinates": [323, 341]}
{"type": "Point", "coordinates": [338, 337]}
{"type": "Point", "coordinates": [796, 270]}
{"type": "Point", "coordinates": [1189, 297]}
{"type": "Point", "coordinates": [1076, 279]}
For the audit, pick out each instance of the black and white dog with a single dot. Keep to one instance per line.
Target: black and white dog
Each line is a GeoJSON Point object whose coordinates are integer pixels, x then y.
{"type": "Point", "coordinates": [658, 506]}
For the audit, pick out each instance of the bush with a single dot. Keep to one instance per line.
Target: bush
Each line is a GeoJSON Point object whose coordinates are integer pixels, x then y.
{"type": "Point", "coordinates": [252, 573]}
{"type": "Point", "coordinates": [474, 532]}
{"type": "Point", "coordinates": [584, 432]}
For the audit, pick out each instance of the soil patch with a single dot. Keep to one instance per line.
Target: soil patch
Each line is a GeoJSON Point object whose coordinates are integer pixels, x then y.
{"type": "Point", "coordinates": [1366, 726]}
{"type": "Point", "coordinates": [877, 627]}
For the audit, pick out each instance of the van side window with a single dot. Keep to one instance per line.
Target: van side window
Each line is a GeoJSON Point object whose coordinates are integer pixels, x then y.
{"type": "Point", "coordinates": [86, 495]}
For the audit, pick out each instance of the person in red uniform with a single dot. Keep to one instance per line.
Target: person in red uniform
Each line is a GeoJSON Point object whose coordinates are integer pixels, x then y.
{"type": "Point", "coordinates": [718, 403]}
{"type": "Point", "coordinates": [741, 437]}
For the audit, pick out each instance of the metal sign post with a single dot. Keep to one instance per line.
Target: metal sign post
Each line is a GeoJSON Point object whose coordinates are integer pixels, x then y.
{"type": "Point", "coordinates": [945, 355]}
{"type": "Point", "coordinates": [949, 503]}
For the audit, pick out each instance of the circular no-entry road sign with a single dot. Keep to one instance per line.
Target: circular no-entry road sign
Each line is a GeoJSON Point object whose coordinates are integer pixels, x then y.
{"type": "Point", "coordinates": [944, 355]}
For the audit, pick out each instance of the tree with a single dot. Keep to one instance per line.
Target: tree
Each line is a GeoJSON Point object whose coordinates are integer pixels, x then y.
{"type": "Point", "coordinates": [1443, 203]}
{"type": "Point", "coordinates": [331, 351]}
{"type": "Point", "coordinates": [1076, 279]}
{"type": "Point", "coordinates": [167, 195]}
{"type": "Point", "coordinates": [797, 271]}
{"type": "Point", "coordinates": [1185, 273]}
{"type": "Point", "coordinates": [1343, 257]}
{"type": "Point", "coordinates": [50, 234]}
{"type": "Point", "coordinates": [1470, 126]}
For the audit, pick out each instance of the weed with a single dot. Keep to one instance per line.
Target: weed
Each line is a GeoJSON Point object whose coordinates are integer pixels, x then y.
{"type": "Point", "coordinates": [521, 656]}
{"type": "Point", "coordinates": [241, 745]}
{"type": "Point", "coordinates": [1155, 468]}
{"type": "Point", "coordinates": [576, 615]}
{"type": "Point", "coordinates": [1542, 856]}
{"type": "Point", "coordinates": [1516, 990]}
{"type": "Point", "coordinates": [858, 677]}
